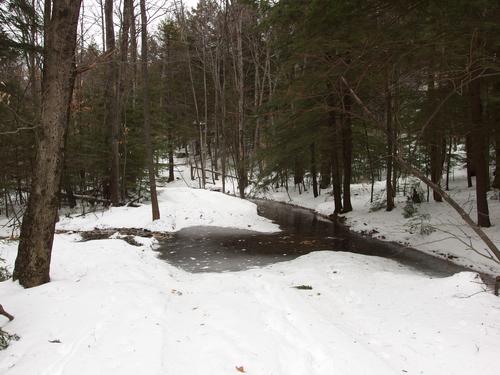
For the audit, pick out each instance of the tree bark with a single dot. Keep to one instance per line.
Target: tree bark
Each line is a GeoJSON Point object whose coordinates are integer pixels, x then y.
{"type": "Point", "coordinates": [314, 172]}
{"type": "Point", "coordinates": [112, 93]}
{"type": "Point", "coordinates": [165, 103]}
{"type": "Point", "coordinates": [479, 146]}
{"type": "Point", "coordinates": [147, 121]}
{"type": "Point", "coordinates": [390, 144]}
{"type": "Point", "coordinates": [347, 153]}
{"type": "Point", "coordinates": [469, 160]}
{"type": "Point", "coordinates": [242, 171]}
{"type": "Point", "coordinates": [32, 267]}
{"type": "Point", "coordinates": [496, 181]}
{"type": "Point", "coordinates": [133, 54]}
{"type": "Point", "coordinates": [434, 138]}
{"type": "Point", "coordinates": [336, 155]}
{"type": "Point", "coordinates": [325, 168]}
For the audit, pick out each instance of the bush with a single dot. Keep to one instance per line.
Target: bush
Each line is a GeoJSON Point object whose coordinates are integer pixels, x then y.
{"type": "Point", "coordinates": [379, 202]}
{"type": "Point", "coordinates": [420, 224]}
{"type": "Point", "coordinates": [6, 338]}
{"type": "Point", "coordinates": [409, 210]}
{"type": "Point", "coordinates": [4, 272]}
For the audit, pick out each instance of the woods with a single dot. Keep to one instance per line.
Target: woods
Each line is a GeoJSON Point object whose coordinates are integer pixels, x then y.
{"type": "Point", "coordinates": [256, 93]}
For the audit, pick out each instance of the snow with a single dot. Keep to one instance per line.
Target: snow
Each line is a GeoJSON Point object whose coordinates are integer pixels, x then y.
{"type": "Point", "coordinates": [114, 308]}
{"type": "Point", "coordinates": [180, 207]}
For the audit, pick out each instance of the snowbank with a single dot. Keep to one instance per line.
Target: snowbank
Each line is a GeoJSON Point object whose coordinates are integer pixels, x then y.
{"type": "Point", "coordinates": [180, 207]}
{"type": "Point", "coordinates": [113, 308]}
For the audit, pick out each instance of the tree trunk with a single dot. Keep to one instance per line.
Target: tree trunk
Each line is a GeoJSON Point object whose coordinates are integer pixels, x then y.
{"type": "Point", "coordinates": [347, 153]}
{"type": "Point", "coordinates": [170, 163]}
{"type": "Point", "coordinates": [32, 267]}
{"type": "Point", "coordinates": [448, 165]}
{"type": "Point", "coordinates": [242, 171]}
{"type": "Point", "coordinates": [133, 54]}
{"type": "Point", "coordinates": [370, 163]}
{"type": "Point", "coordinates": [469, 160]}
{"type": "Point", "coordinates": [314, 172]}
{"type": "Point", "coordinates": [147, 122]}
{"type": "Point", "coordinates": [496, 181]}
{"type": "Point", "coordinates": [390, 145]}
{"type": "Point", "coordinates": [112, 109]}
{"type": "Point", "coordinates": [336, 155]}
{"type": "Point", "coordinates": [479, 147]}
{"type": "Point", "coordinates": [165, 103]}
{"type": "Point", "coordinates": [325, 168]}
{"type": "Point", "coordinates": [434, 139]}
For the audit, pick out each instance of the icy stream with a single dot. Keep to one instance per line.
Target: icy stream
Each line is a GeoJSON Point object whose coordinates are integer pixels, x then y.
{"type": "Point", "coordinates": [216, 249]}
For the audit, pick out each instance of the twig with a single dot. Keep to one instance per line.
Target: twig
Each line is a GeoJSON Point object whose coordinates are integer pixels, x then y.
{"type": "Point", "coordinates": [20, 129]}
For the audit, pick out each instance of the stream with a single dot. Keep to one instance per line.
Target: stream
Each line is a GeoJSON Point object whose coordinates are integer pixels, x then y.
{"type": "Point", "coordinates": [216, 249]}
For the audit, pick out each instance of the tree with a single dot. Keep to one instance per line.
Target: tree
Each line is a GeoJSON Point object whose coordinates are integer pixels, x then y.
{"type": "Point", "coordinates": [32, 265]}
{"type": "Point", "coordinates": [112, 104]}
{"type": "Point", "coordinates": [146, 104]}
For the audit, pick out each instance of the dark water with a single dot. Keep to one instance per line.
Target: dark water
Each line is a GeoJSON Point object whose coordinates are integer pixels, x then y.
{"type": "Point", "coordinates": [215, 249]}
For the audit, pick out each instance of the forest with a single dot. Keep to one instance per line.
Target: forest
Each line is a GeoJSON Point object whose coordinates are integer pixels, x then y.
{"type": "Point", "coordinates": [249, 186]}
{"type": "Point", "coordinates": [261, 91]}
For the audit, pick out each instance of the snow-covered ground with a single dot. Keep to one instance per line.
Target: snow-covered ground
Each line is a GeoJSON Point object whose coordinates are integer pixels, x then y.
{"type": "Point", "coordinates": [180, 207]}
{"type": "Point", "coordinates": [114, 308]}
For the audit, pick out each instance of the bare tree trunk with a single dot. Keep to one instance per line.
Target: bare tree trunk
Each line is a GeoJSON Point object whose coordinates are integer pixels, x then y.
{"type": "Point", "coordinates": [448, 165]}
{"type": "Point", "coordinates": [103, 23]}
{"type": "Point", "coordinates": [347, 153]}
{"type": "Point", "coordinates": [165, 103]}
{"type": "Point", "coordinates": [496, 129]}
{"type": "Point", "coordinates": [242, 171]}
{"type": "Point", "coordinates": [225, 54]}
{"type": "Point", "coordinates": [182, 21]}
{"type": "Point", "coordinates": [370, 163]}
{"type": "Point", "coordinates": [32, 267]}
{"type": "Point", "coordinates": [314, 171]}
{"type": "Point", "coordinates": [390, 144]}
{"type": "Point", "coordinates": [479, 147]}
{"type": "Point", "coordinates": [469, 160]}
{"type": "Point", "coordinates": [133, 54]}
{"type": "Point", "coordinates": [496, 181]}
{"type": "Point", "coordinates": [112, 105]}
{"type": "Point", "coordinates": [335, 154]}
{"type": "Point", "coordinates": [203, 138]}
{"type": "Point", "coordinates": [434, 139]}
{"type": "Point", "coordinates": [147, 122]}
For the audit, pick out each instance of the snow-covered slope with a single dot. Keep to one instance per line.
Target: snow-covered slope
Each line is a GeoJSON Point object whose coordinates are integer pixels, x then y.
{"type": "Point", "coordinates": [112, 308]}
{"type": "Point", "coordinates": [180, 207]}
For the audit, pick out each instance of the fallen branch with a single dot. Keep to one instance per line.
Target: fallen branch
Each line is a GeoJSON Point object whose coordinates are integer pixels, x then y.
{"type": "Point", "coordinates": [19, 129]}
{"type": "Point", "coordinates": [6, 314]}
{"type": "Point", "coordinates": [101, 234]}
{"type": "Point", "coordinates": [89, 198]}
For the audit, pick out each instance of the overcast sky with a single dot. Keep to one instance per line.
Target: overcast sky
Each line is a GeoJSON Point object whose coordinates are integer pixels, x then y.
{"type": "Point", "coordinates": [157, 11]}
